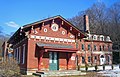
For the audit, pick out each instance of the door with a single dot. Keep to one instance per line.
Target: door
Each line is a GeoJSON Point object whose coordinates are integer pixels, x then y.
{"type": "Point", "coordinates": [102, 60]}
{"type": "Point", "coordinates": [53, 61]}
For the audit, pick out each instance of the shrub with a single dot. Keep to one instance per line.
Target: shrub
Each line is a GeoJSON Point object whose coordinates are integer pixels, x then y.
{"type": "Point", "coordinates": [9, 68]}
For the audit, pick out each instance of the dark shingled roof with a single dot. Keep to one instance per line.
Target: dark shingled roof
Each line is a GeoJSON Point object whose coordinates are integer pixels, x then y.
{"type": "Point", "coordinates": [54, 45]}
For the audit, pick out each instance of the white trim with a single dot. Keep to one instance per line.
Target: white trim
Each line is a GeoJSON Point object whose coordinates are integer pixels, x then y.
{"type": "Point", "coordinates": [102, 52]}
{"type": "Point", "coordinates": [73, 40]}
{"type": "Point", "coordinates": [63, 32]}
{"type": "Point", "coordinates": [47, 38]}
{"type": "Point", "coordinates": [32, 36]}
{"type": "Point", "coordinates": [72, 36]}
{"type": "Point", "coordinates": [56, 39]}
{"type": "Point", "coordinates": [42, 37]}
{"type": "Point", "coordinates": [37, 37]}
{"type": "Point", "coordinates": [61, 39]}
{"type": "Point", "coordinates": [45, 29]}
{"type": "Point", "coordinates": [52, 38]}
{"type": "Point", "coordinates": [65, 40]}
{"type": "Point", "coordinates": [54, 27]}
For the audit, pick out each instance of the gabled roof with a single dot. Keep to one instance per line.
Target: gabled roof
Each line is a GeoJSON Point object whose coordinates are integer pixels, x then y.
{"type": "Point", "coordinates": [50, 18]}
{"type": "Point", "coordinates": [47, 19]}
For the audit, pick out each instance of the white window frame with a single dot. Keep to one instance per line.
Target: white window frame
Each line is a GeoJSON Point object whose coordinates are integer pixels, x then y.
{"type": "Point", "coordinates": [107, 38]}
{"type": "Point", "coordinates": [95, 37]}
{"type": "Point", "coordinates": [23, 60]}
{"type": "Point", "coordinates": [101, 38]}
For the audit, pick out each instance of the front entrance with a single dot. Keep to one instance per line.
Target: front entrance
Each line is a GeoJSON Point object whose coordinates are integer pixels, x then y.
{"type": "Point", "coordinates": [102, 60]}
{"type": "Point", "coordinates": [53, 61]}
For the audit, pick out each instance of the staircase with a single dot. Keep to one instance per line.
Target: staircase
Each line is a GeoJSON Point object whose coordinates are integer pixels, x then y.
{"type": "Point", "coordinates": [58, 73]}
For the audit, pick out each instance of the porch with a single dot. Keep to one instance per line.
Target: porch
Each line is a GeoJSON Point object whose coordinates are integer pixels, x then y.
{"type": "Point", "coordinates": [52, 58]}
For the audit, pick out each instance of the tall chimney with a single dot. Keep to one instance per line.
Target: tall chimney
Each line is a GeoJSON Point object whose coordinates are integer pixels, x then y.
{"type": "Point", "coordinates": [86, 24]}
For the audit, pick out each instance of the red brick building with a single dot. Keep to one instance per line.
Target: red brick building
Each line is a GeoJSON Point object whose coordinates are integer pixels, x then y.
{"type": "Point", "coordinates": [56, 44]}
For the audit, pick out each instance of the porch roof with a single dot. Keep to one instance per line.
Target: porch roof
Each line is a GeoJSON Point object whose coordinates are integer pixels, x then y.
{"type": "Point", "coordinates": [57, 47]}
{"type": "Point", "coordinates": [54, 45]}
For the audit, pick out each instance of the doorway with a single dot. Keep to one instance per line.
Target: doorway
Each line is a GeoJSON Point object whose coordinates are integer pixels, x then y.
{"type": "Point", "coordinates": [102, 60]}
{"type": "Point", "coordinates": [53, 61]}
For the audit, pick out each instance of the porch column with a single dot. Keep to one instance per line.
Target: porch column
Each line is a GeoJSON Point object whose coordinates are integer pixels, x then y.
{"type": "Point", "coordinates": [40, 59]}
{"type": "Point", "coordinates": [39, 63]}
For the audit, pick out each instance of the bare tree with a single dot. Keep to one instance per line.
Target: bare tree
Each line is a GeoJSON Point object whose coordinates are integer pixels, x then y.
{"type": "Point", "coordinates": [114, 22]}
{"type": "Point", "coordinates": [102, 20]}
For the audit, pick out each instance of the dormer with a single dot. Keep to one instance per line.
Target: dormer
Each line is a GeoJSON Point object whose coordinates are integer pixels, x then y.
{"type": "Point", "coordinates": [101, 38]}
{"type": "Point", "coordinates": [108, 38]}
{"type": "Point", "coordinates": [94, 37]}
{"type": "Point", "coordinates": [89, 36]}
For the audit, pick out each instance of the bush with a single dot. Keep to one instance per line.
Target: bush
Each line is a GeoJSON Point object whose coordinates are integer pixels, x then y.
{"type": "Point", "coordinates": [9, 69]}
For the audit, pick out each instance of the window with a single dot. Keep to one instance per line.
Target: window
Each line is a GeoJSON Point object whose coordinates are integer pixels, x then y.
{"type": "Point", "coordinates": [54, 27]}
{"type": "Point", "coordinates": [82, 46]}
{"type": "Point", "coordinates": [107, 38]}
{"type": "Point", "coordinates": [23, 55]}
{"type": "Point", "coordinates": [94, 47]}
{"type": "Point", "coordinates": [100, 48]}
{"type": "Point", "coordinates": [108, 47]}
{"type": "Point", "coordinates": [101, 38]}
{"type": "Point", "coordinates": [83, 59]}
{"type": "Point", "coordinates": [45, 29]}
{"type": "Point", "coordinates": [89, 59]}
{"type": "Point", "coordinates": [108, 58]}
{"type": "Point", "coordinates": [19, 54]}
{"type": "Point", "coordinates": [88, 47]}
{"type": "Point", "coordinates": [95, 59]}
{"type": "Point", "coordinates": [103, 47]}
{"type": "Point", "coordinates": [95, 37]}
{"type": "Point", "coordinates": [14, 53]}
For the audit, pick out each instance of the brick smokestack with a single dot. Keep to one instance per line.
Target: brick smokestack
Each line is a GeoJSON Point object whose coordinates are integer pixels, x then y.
{"type": "Point", "coordinates": [86, 24]}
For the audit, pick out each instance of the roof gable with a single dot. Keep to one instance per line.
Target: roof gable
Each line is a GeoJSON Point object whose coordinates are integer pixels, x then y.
{"type": "Point", "coordinates": [55, 17]}
{"type": "Point", "coordinates": [25, 27]}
